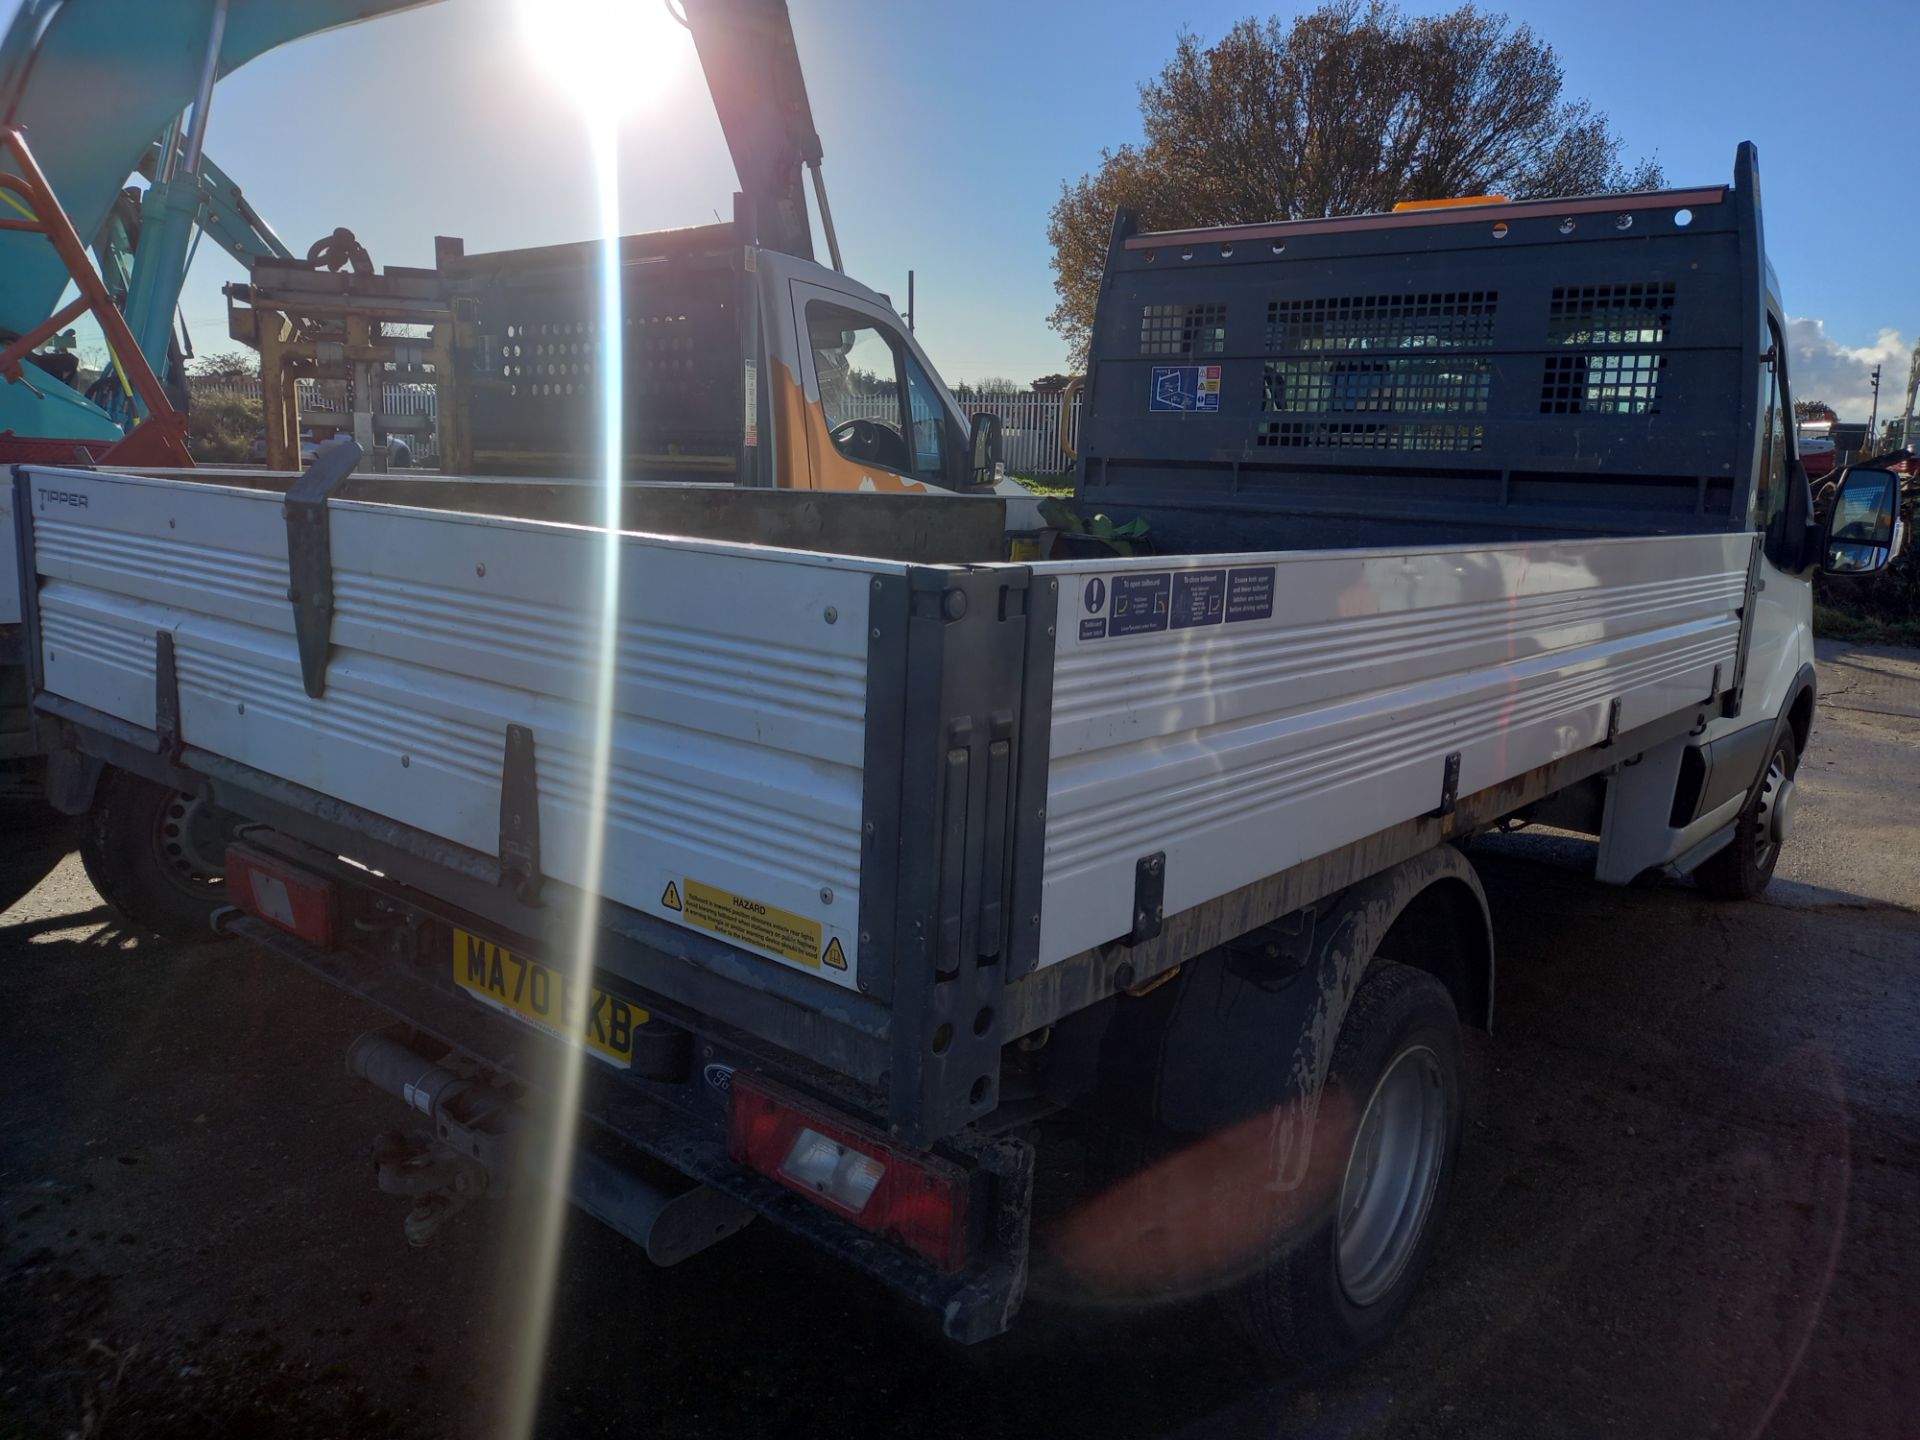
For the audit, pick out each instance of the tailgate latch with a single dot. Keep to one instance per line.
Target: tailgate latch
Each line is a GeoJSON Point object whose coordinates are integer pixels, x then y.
{"type": "Point", "coordinates": [310, 557]}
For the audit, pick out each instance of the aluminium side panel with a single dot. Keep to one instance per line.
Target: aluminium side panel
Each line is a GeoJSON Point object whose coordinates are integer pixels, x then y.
{"type": "Point", "coordinates": [1243, 714]}
{"type": "Point", "coordinates": [734, 776]}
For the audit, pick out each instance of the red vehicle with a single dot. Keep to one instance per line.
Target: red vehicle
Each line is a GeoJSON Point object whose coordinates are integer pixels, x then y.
{"type": "Point", "coordinates": [1817, 451]}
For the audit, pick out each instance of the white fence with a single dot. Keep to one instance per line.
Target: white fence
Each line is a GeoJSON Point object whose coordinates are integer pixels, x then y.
{"type": "Point", "coordinates": [1029, 425]}
{"type": "Point", "coordinates": [1029, 420]}
{"type": "Point", "coordinates": [397, 398]}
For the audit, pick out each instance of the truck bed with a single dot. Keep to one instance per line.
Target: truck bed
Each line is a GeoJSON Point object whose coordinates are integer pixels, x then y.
{"type": "Point", "coordinates": [875, 832]}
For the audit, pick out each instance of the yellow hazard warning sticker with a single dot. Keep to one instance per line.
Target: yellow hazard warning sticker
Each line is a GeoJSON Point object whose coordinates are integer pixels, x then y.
{"type": "Point", "coordinates": [670, 897]}
{"type": "Point", "coordinates": [752, 922]}
{"type": "Point", "coordinates": [835, 957]}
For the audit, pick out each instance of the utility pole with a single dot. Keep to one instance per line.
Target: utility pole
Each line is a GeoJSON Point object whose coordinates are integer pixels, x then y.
{"type": "Point", "coordinates": [1873, 419]}
{"type": "Point", "coordinates": [910, 302]}
{"type": "Point", "coordinates": [1913, 385]}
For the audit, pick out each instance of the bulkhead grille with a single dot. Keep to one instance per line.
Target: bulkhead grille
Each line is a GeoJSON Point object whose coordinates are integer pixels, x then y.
{"type": "Point", "coordinates": [1421, 383]}
{"type": "Point", "coordinates": [1607, 381]}
{"type": "Point", "coordinates": [1369, 435]}
{"type": "Point", "coordinates": [1455, 319]}
{"type": "Point", "coordinates": [1638, 314]}
{"type": "Point", "coordinates": [1183, 329]}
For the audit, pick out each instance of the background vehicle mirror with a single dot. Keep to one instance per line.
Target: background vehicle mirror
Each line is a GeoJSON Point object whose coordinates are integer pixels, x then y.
{"type": "Point", "coordinates": [985, 462]}
{"type": "Point", "coordinates": [1864, 530]}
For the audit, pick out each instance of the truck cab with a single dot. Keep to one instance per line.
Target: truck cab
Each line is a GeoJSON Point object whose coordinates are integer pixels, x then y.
{"type": "Point", "coordinates": [1489, 373]}
{"type": "Point", "coordinates": [851, 386]}
{"type": "Point", "coordinates": [741, 364]}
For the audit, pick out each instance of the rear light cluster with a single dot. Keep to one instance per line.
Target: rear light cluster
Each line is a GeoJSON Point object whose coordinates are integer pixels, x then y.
{"type": "Point", "coordinates": [916, 1199]}
{"type": "Point", "coordinates": [281, 894]}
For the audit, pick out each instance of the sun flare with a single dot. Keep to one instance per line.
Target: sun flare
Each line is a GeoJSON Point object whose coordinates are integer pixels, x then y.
{"type": "Point", "coordinates": [607, 57]}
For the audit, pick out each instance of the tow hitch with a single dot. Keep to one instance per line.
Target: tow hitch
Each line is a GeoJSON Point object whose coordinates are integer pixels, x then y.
{"type": "Point", "coordinates": [472, 1152]}
{"type": "Point", "coordinates": [439, 1182]}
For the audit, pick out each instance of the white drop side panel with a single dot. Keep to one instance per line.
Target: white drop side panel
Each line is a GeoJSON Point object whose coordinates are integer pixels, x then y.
{"type": "Point", "coordinates": [738, 730]}
{"type": "Point", "coordinates": [1248, 713]}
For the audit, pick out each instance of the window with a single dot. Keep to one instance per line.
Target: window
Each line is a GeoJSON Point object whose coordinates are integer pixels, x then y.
{"type": "Point", "coordinates": [856, 362]}
{"type": "Point", "coordinates": [929, 413]}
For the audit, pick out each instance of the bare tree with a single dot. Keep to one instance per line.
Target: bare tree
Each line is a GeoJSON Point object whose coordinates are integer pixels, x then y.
{"type": "Point", "coordinates": [1348, 108]}
{"type": "Point", "coordinates": [991, 385]}
{"type": "Point", "coordinates": [226, 365]}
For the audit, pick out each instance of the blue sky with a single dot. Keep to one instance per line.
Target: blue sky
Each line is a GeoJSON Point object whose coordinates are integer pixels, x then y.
{"type": "Point", "coordinates": [949, 129]}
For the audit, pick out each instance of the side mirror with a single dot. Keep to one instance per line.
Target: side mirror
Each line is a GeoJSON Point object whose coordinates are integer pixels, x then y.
{"type": "Point", "coordinates": [1864, 530]}
{"type": "Point", "coordinates": [985, 464]}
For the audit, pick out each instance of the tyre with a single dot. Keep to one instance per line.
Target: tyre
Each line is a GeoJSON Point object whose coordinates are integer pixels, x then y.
{"type": "Point", "coordinates": [1743, 869]}
{"type": "Point", "coordinates": [155, 855]}
{"type": "Point", "coordinates": [1384, 1146]}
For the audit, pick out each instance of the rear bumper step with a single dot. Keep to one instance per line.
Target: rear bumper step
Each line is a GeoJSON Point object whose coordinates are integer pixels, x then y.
{"type": "Point", "coordinates": [975, 1304]}
{"type": "Point", "coordinates": [670, 1223]}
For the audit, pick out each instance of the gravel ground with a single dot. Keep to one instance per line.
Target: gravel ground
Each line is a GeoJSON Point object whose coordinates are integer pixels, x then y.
{"type": "Point", "coordinates": [1686, 1204]}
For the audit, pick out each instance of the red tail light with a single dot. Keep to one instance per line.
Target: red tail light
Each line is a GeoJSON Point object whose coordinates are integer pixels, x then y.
{"type": "Point", "coordinates": [916, 1199]}
{"type": "Point", "coordinates": [280, 894]}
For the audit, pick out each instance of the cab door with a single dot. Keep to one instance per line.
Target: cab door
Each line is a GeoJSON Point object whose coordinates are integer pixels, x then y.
{"type": "Point", "coordinates": [872, 414]}
{"type": "Point", "coordinates": [1782, 639]}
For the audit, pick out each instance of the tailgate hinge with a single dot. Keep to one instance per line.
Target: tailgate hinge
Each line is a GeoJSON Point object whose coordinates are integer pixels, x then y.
{"type": "Point", "coordinates": [166, 695]}
{"type": "Point", "coordinates": [1449, 787]}
{"type": "Point", "coordinates": [310, 557]}
{"type": "Point", "coordinates": [520, 816]}
{"type": "Point", "coordinates": [1149, 896]}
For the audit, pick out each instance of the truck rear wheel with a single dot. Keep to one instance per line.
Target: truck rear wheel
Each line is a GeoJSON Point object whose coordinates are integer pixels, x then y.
{"type": "Point", "coordinates": [1384, 1145]}
{"type": "Point", "coordinates": [1742, 870]}
{"type": "Point", "coordinates": [155, 855]}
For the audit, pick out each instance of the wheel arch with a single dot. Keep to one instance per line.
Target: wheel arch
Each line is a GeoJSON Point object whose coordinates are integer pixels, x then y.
{"type": "Point", "coordinates": [1252, 1025]}
{"type": "Point", "coordinates": [1444, 928]}
{"type": "Point", "coordinates": [1797, 714]}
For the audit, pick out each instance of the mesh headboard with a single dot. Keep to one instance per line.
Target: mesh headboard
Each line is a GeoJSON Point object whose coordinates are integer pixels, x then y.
{"type": "Point", "coordinates": [539, 322]}
{"type": "Point", "coordinates": [1548, 362]}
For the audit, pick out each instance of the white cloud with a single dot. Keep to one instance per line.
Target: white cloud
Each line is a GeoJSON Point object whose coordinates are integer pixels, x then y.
{"type": "Point", "coordinates": [1822, 368]}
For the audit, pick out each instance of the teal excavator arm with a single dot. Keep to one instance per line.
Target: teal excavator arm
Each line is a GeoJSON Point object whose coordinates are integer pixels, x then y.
{"type": "Point", "coordinates": [223, 216]}
{"type": "Point", "coordinates": [92, 83]}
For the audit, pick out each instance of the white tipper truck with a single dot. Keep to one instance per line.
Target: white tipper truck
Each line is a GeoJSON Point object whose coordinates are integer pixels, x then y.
{"type": "Point", "coordinates": [1454, 517]}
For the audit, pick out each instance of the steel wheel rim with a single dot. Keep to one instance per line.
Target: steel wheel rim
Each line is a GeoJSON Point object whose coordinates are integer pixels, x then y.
{"type": "Point", "coordinates": [1392, 1171]}
{"type": "Point", "coordinates": [1773, 791]}
{"type": "Point", "coordinates": [190, 842]}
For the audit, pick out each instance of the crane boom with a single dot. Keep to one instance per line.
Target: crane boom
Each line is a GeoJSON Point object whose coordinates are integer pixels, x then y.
{"type": "Point", "coordinates": [752, 66]}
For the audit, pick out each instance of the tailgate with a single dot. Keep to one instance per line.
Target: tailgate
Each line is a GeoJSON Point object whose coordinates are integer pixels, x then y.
{"type": "Point", "coordinates": [814, 757]}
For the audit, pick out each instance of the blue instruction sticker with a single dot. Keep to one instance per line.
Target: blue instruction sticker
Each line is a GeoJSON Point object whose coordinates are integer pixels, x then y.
{"type": "Point", "coordinates": [1199, 598]}
{"type": "Point", "coordinates": [1250, 594]}
{"type": "Point", "coordinates": [1093, 628]}
{"type": "Point", "coordinates": [1139, 603]}
{"type": "Point", "coordinates": [1185, 387]}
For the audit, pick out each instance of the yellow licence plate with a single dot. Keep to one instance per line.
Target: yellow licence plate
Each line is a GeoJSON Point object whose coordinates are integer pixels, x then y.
{"type": "Point", "coordinates": [540, 995]}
